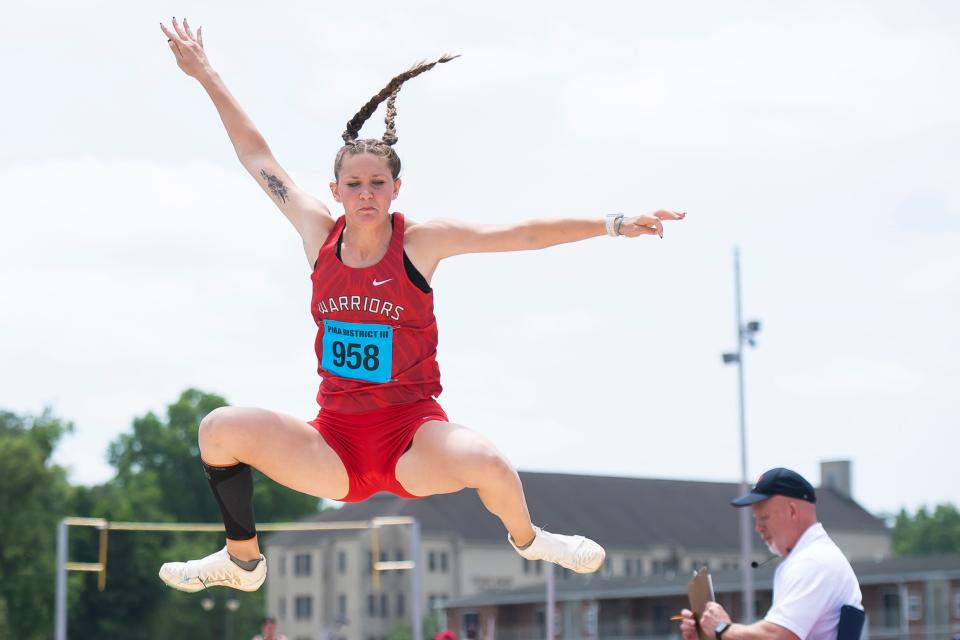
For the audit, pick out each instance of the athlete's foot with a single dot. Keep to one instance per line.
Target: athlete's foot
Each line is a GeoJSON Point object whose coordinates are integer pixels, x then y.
{"type": "Point", "coordinates": [576, 553]}
{"type": "Point", "coordinates": [216, 570]}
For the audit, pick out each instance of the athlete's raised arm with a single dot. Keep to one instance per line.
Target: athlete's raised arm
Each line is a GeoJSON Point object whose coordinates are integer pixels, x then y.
{"type": "Point", "coordinates": [309, 216]}
{"type": "Point", "coordinates": [438, 239]}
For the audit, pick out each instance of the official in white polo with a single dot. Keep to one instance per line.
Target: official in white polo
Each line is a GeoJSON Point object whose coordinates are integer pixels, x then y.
{"type": "Point", "coordinates": [810, 586]}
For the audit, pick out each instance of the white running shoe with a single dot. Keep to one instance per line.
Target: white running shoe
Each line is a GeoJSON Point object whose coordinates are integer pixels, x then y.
{"type": "Point", "coordinates": [576, 553]}
{"type": "Point", "coordinates": [216, 570]}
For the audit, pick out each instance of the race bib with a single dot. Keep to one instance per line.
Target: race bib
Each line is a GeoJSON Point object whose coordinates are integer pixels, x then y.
{"type": "Point", "coordinates": [358, 351]}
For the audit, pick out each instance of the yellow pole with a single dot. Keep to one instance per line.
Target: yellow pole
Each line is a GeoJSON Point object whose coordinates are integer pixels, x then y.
{"type": "Point", "coordinates": [102, 577]}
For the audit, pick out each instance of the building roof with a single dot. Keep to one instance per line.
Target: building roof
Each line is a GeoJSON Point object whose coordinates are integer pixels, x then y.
{"type": "Point", "coordinates": [891, 570]}
{"type": "Point", "coordinates": [621, 513]}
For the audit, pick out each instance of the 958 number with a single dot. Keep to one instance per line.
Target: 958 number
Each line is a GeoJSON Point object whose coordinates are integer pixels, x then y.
{"type": "Point", "coordinates": [350, 355]}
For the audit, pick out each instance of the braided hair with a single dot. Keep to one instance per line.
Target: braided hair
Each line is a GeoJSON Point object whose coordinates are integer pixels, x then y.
{"type": "Point", "coordinates": [384, 146]}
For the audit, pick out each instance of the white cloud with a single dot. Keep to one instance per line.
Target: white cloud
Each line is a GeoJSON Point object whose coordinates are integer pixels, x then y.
{"type": "Point", "coordinates": [551, 326]}
{"type": "Point", "coordinates": [938, 275]}
{"type": "Point", "coordinates": [774, 82]}
{"type": "Point", "coordinates": [843, 376]}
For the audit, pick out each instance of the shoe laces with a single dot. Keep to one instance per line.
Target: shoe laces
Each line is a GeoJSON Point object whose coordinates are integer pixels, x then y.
{"type": "Point", "coordinates": [219, 573]}
{"type": "Point", "coordinates": [220, 577]}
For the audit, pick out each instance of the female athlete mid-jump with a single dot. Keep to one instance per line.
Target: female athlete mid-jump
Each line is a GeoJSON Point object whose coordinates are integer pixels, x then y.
{"type": "Point", "coordinates": [380, 427]}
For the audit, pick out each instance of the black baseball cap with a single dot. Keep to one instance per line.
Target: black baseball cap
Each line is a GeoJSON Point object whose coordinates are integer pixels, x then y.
{"type": "Point", "coordinates": [778, 482]}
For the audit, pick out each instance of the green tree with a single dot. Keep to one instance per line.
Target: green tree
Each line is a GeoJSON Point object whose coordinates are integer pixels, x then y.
{"type": "Point", "coordinates": [33, 496]}
{"type": "Point", "coordinates": [925, 532]}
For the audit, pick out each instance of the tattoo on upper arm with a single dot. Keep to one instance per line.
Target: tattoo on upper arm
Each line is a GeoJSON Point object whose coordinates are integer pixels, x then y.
{"type": "Point", "coordinates": [276, 185]}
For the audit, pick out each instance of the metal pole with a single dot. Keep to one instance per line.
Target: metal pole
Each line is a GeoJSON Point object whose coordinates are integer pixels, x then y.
{"type": "Point", "coordinates": [60, 622]}
{"type": "Point", "coordinates": [415, 582]}
{"type": "Point", "coordinates": [746, 550]}
{"type": "Point", "coordinates": [551, 600]}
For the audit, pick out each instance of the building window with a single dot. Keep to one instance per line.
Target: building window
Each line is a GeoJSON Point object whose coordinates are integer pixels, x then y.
{"type": "Point", "coordinates": [664, 567]}
{"type": "Point", "coordinates": [282, 608]}
{"type": "Point", "coordinates": [341, 561]}
{"type": "Point", "coordinates": [891, 610]}
{"type": "Point", "coordinates": [383, 556]}
{"type": "Point", "coordinates": [401, 606]}
{"type": "Point", "coordinates": [283, 565]}
{"type": "Point", "coordinates": [342, 606]}
{"type": "Point", "coordinates": [915, 607]}
{"type": "Point", "coordinates": [956, 605]}
{"type": "Point", "coordinates": [303, 608]}
{"type": "Point", "coordinates": [443, 561]}
{"type": "Point", "coordinates": [399, 555]}
{"type": "Point", "coordinates": [431, 561]}
{"type": "Point", "coordinates": [432, 602]}
{"type": "Point", "coordinates": [301, 564]}
{"type": "Point", "coordinates": [384, 612]}
{"type": "Point", "coordinates": [471, 625]}
{"type": "Point", "coordinates": [371, 605]}
{"type": "Point", "coordinates": [661, 619]}
{"type": "Point", "coordinates": [526, 565]}
{"type": "Point", "coordinates": [606, 570]}
{"type": "Point", "coordinates": [590, 621]}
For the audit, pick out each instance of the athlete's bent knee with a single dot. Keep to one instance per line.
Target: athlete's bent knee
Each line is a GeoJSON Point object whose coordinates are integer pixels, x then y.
{"type": "Point", "coordinates": [213, 429]}
{"type": "Point", "coordinates": [489, 466]}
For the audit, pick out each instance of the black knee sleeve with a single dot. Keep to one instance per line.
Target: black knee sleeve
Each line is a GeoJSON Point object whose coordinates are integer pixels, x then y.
{"type": "Point", "coordinates": [233, 488]}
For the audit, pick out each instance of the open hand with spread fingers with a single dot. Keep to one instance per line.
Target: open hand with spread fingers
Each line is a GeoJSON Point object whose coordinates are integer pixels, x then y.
{"type": "Point", "coordinates": [187, 48]}
{"type": "Point", "coordinates": [649, 225]}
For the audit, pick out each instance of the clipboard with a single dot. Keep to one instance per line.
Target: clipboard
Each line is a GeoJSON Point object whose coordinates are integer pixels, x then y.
{"type": "Point", "coordinates": [700, 591]}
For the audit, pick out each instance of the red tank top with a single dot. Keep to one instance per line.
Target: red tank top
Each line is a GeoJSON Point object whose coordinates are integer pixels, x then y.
{"type": "Point", "coordinates": [376, 333]}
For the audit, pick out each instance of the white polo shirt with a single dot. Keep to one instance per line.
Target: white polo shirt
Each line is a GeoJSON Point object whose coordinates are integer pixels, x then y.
{"type": "Point", "coordinates": [811, 585]}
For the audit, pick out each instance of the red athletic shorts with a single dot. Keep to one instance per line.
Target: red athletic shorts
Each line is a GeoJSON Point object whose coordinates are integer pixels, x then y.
{"type": "Point", "coordinates": [370, 443]}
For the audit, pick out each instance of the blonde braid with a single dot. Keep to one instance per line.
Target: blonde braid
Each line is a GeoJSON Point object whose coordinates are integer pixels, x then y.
{"type": "Point", "coordinates": [389, 92]}
{"type": "Point", "coordinates": [390, 134]}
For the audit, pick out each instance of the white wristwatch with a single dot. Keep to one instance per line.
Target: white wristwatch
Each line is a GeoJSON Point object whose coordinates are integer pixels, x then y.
{"type": "Point", "coordinates": [614, 220]}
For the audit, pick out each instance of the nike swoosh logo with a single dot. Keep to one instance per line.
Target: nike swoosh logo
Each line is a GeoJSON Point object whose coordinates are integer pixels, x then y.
{"type": "Point", "coordinates": [377, 283]}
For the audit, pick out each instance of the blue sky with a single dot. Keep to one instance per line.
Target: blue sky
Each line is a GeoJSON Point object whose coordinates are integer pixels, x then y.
{"type": "Point", "coordinates": [137, 258]}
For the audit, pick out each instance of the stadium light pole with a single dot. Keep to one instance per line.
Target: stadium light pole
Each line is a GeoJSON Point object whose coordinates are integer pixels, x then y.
{"type": "Point", "coordinates": [745, 334]}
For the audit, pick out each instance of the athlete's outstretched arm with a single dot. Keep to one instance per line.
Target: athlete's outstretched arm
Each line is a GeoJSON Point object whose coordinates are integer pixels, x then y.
{"type": "Point", "coordinates": [452, 237]}
{"type": "Point", "coordinates": [309, 216]}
